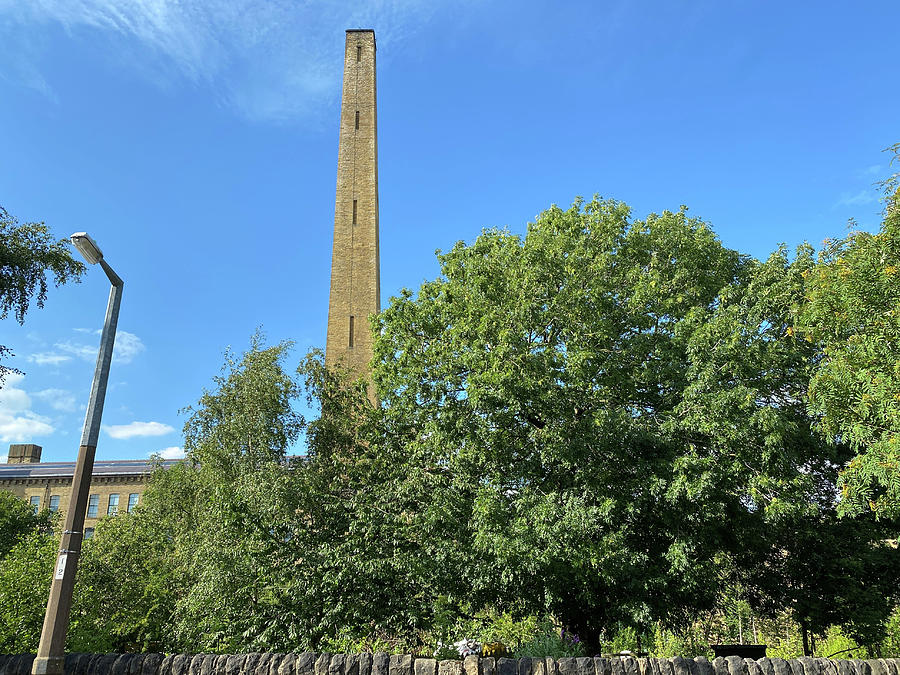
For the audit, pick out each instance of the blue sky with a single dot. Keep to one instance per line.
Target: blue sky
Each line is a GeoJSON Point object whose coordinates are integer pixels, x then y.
{"type": "Point", "coordinates": [197, 143]}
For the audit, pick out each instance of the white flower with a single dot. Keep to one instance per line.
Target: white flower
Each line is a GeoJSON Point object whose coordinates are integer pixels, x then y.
{"type": "Point", "coordinates": [467, 647]}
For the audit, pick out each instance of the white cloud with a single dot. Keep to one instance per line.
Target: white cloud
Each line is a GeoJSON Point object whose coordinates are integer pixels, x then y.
{"type": "Point", "coordinates": [59, 399]}
{"type": "Point", "coordinates": [83, 352]}
{"type": "Point", "coordinates": [48, 358]}
{"type": "Point", "coordinates": [861, 198]}
{"type": "Point", "coordinates": [4, 459]}
{"type": "Point", "coordinates": [89, 331]}
{"type": "Point", "coordinates": [13, 399]}
{"type": "Point", "coordinates": [18, 423]}
{"type": "Point", "coordinates": [271, 60]}
{"type": "Point", "coordinates": [874, 170]}
{"type": "Point", "coordinates": [127, 347]}
{"type": "Point", "coordinates": [171, 453]}
{"type": "Point", "coordinates": [138, 429]}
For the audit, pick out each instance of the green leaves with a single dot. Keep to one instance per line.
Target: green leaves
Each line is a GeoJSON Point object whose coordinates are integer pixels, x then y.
{"type": "Point", "coordinates": [546, 374]}
{"type": "Point", "coordinates": [603, 421]}
{"type": "Point", "coordinates": [852, 314]}
{"type": "Point", "coordinates": [27, 254]}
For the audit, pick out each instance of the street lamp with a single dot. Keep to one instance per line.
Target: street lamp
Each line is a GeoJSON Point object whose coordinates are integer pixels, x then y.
{"type": "Point", "coordinates": [51, 651]}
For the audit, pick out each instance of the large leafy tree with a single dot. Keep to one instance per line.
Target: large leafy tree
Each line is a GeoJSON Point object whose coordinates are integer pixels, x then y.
{"type": "Point", "coordinates": [853, 314]}
{"type": "Point", "coordinates": [604, 412]}
{"type": "Point", "coordinates": [28, 253]}
{"type": "Point", "coordinates": [538, 381]}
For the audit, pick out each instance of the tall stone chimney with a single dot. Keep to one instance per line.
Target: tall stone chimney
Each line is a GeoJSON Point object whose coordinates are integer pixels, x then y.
{"type": "Point", "coordinates": [24, 453]}
{"type": "Point", "coordinates": [355, 276]}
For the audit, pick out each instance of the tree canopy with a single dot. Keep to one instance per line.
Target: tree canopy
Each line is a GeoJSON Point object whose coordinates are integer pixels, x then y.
{"type": "Point", "coordinates": [17, 520]}
{"type": "Point", "coordinates": [28, 253]}
{"type": "Point", "coordinates": [604, 410]}
{"type": "Point", "coordinates": [605, 421]}
{"type": "Point", "coordinates": [853, 315]}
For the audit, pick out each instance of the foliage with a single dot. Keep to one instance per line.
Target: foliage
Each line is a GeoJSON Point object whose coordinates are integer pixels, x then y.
{"type": "Point", "coordinates": [27, 554]}
{"type": "Point", "coordinates": [606, 413]}
{"type": "Point", "coordinates": [227, 538]}
{"type": "Point", "coordinates": [17, 520]}
{"type": "Point", "coordinates": [28, 253]}
{"type": "Point", "coordinates": [128, 581]}
{"type": "Point", "coordinates": [528, 635]}
{"type": "Point", "coordinates": [589, 431]}
{"type": "Point", "coordinates": [891, 645]}
{"type": "Point", "coordinates": [853, 315]}
{"type": "Point", "coordinates": [829, 571]}
{"type": "Point", "coordinates": [24, 586]}
{"type": "Point", "coordinates": [748, 392]}
{"type": "Point", "coordinates": [548, 640]}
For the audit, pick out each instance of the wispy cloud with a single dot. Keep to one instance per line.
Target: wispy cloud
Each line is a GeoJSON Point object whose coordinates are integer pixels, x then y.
{"type": "Point", "coordinates": [271, 60]}
{"type": "Point", "coordinates": [59, 399]}
{"type": "Point", "coordinates": [127, 347]}
{"type": "Point", "coordinates": [861, 198]}
{"type": "Point", "coordinates": [122, 431]}
{"type": "Point", "coordinates": [873, 171]}
{"type": "Point", "coordinates": [48, 358]}
{"type": "Point", "coordinates": [18, 423]}
{"type": "Point", "coordinates": [83, 352]}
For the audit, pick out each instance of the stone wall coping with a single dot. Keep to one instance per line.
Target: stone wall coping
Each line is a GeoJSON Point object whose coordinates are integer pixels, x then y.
{"type": "Point", "coordinates": [379, 663]}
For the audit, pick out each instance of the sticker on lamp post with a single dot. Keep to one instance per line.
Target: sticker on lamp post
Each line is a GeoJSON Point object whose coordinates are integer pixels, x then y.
{"type": "Point", "coordinates": [60, 566]}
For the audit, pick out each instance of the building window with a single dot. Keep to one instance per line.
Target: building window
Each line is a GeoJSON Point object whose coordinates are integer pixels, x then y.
{"type": "Point", "coordinates": [132, 501]}
{"type": "Point", "coordinates": [358, 53]}
{"type": "Point", "coordinates": [88, 532]}
{"type": "Point", "coordinates": [113, 507]}
{"type": "Point", "coordinates": [93, 505]}
{"type": "Point", "coordinates": [54, 503]}
{"type": "Point", "coordinates": [35, 503]}
{"type": "Point", "coordinates": [351, 331]}
{"type": "Point", "coordinates": [354, 212]}
{"type": "Point", "coordinates": [357, 120]}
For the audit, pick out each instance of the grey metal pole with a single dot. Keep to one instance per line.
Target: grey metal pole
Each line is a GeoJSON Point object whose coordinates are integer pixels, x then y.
{"type": "Point", "coordinates": [51, 651]}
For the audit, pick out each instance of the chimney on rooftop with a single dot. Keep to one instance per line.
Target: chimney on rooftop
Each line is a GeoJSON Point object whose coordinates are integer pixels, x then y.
{"type": "Point", "coordinates": [24, 453]}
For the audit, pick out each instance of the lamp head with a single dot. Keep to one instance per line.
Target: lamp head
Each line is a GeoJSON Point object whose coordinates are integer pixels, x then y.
{"type": "Point", "coordinates": [88, 247]}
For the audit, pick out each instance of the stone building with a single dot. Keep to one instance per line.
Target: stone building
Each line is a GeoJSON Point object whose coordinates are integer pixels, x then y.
{"type": "Point", "coordinates": [115, 485]}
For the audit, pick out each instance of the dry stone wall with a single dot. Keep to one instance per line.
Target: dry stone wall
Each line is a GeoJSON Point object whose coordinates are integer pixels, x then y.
{"type": "Point", "coordinates": [405, 664]}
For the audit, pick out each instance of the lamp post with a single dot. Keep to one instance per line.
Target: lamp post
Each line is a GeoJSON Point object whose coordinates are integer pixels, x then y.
{"type": "Point", "coordinates": [51, 651]}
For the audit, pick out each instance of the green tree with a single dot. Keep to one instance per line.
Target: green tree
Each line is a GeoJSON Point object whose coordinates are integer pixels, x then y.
{"type": "Point", "coordinates": [28, 252]}
{"type": "Point", "coordinates": [748, 398]}
{"type": "Point", "coordinates": [853, 314]}
{"type": "Point", "coordinates": [18, 520]}
{"type": "Point", "coordinates": [129, 580]}
{"type": "Point", "coordinates": [546, 389]}
{"type": "Point", "coordinates": [202, 563]}
{"type": "Point", "coordinates": [829, 571]}
{"type": "Point", "coordinates": [604, 420]}
{"type": "Point", "coordinates": [25, 575]}
{"type": "Point", "coordinates": [373, 546]}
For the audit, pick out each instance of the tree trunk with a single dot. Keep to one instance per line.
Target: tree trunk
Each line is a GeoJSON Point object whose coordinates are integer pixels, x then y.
{"type": "Point", "coordinates": [806, 651]}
